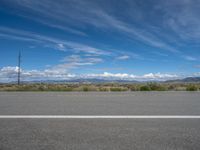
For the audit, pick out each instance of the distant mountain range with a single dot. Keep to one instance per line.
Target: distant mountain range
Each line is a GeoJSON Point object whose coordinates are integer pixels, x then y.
{"type": "Point", "coordinates": [86, 81]}
{"type": "Point", "coordinates": [185, 80]}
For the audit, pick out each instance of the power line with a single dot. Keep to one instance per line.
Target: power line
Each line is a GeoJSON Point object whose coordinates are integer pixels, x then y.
{"type": "Point", "coordinates": [19, 68]}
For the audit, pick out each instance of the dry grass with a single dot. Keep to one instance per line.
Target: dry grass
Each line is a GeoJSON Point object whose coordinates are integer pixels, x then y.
{"type": "Point", "coordinates": [114, 87]}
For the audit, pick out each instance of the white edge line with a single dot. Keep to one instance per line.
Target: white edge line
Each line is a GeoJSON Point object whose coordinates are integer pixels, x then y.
{"type": "Point", "coordinates": [97, 117]}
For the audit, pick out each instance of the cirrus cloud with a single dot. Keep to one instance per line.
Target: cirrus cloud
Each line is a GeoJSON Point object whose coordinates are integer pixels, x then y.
{"type": "Point", "coordinates": [124, 57]}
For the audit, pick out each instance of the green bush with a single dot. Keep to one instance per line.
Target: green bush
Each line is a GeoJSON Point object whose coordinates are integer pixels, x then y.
{"type": "Point", "coordinates": [41, 88]}
{"type": "Point", "coordinates": [68, 89]}
{"type": "Point", "coordinates": [191, 88]}
{"type": "Point", "coordinates": [85, 89]}
{"type": "Point", "coordinates": [118, 89]}
{"type": "Point", "coordinates": [172, 87]}
{"type": "Point", "coordinates": [133, 88]}
{"type": "Point", "coordinates": [145, 88]}
{"type": "Point", "coordinates": [157, 87]}
{"type": "Point", "coordinates": [103, 89]}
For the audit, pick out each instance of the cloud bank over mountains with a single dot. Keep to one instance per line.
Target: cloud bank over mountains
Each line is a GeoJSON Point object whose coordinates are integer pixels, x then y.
{"type": "Point", "coordinates": [8, 74]}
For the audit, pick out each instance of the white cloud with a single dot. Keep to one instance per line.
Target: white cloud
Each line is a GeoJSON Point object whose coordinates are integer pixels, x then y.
{"type": "Point", "coordinates": [197, 74]}
{"type": "Point", "coordinates": [61, 46]}
{"type": "Point", "coordinates": [125, 76]}
{"type": "Point", "coordinates": [184, 22]}
{"type": "Point", "coordinates": [190, 58]}
{"type": "Point", "coordinates": [71, 62]}
{"type": "Point", "coordinates": [110, 75]}
{"type": "Point", "coordinates": [159, 76]}
{"type": "Point", "coordinates": [124, 57]}
{"type": "Point", "coordinates": [78, 60]}
{"type": "Point", "coordinates": [48, 41]}
{"type": "Point", "coordinates": [8, 74]}
{"type": "Point", "coordinates": [133, 32]}
{"type": "Point", "coordinates": [88, 13]}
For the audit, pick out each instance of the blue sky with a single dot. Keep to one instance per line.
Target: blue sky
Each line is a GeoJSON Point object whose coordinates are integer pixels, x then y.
{"type": "Point", "coordinates": [125, 39]}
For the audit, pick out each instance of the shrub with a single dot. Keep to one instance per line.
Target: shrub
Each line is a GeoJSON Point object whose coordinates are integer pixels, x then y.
{"type": "Point", "coordinates": [85, 89]}
{"type": "Point", "coordinates": [118, 89]}
{"type": "Point", "coordinates": [157, 87]}
{"type": "Point", "coordinates": [180, 88]}
{"type": "Point", "coordinates": [133, 88]}
{"type": "Point", "coordinates": [41, 88]}
{"type": "Point", "coordinates": [145, 88]}
{"type": "Point", "coordinates": [172, 87]}
{"type": "Point", "coordinates": [191, 88]}
{"type": "Point", "coordinates": [68, 89]}
{"type": "Point", "coordinates": [103, 89]}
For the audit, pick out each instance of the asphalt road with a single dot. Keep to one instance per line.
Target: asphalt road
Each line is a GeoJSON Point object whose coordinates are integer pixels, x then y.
{"type": "Point", "coordinates": [100, 134]}
{"type": "Point", "coordinates": [96, 103]}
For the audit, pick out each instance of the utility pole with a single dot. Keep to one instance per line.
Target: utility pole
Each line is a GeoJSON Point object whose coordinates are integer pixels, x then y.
{"type": "Point", "coordinates": [19, 68]}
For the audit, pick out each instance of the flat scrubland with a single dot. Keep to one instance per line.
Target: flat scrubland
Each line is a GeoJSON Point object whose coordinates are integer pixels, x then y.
{"type": "Point", "coordinates": [110, 87]}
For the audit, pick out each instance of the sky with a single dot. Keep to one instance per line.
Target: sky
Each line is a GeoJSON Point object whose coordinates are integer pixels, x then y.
{"type": "Point", "coordinates": [106, 39]}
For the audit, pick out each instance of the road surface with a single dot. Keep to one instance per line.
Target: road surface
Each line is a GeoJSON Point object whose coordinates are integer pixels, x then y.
{"type": "Point", "coordinates": [104, 133]}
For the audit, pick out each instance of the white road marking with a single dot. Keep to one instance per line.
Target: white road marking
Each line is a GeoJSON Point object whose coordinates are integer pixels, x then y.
{"type": "Point", "coordinates": [98, 117]}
